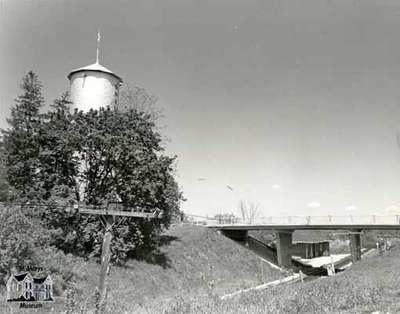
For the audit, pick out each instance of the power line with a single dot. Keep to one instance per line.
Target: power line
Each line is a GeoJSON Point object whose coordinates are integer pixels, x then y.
{"type": "Point", "coordinates": [112, 209]}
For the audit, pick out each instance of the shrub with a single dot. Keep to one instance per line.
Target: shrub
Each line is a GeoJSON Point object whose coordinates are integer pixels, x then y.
{"type": "Point", "coordinates": [19, 237]}
{"type": "Point", "coordinates": [25, 244]}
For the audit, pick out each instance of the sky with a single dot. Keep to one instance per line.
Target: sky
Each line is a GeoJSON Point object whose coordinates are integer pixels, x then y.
{"type": "Point", "coordinates": [291, 105]}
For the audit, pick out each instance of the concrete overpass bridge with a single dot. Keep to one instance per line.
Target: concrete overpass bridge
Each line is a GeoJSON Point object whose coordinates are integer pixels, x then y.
{"type": "Point", "coordinates": [285, 226]}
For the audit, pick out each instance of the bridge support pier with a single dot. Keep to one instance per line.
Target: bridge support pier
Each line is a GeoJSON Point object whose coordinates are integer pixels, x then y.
{"type": "Point", "coordinates": [284, 248]}
{"type": "Point", "coordinates": [355, 245]}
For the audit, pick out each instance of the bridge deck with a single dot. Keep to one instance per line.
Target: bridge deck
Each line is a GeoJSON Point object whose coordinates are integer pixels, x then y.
{"type": "Point", "coordinates": [306, 227]}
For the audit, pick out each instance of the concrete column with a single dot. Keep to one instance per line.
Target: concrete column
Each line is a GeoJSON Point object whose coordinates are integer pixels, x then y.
{"type": "Point", "coordinates": [355, 246]}
{"type": "Point", "coordinates": [283, 247]}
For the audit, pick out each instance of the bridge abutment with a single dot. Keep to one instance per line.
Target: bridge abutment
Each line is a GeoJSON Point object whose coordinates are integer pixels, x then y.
{"type": "Point", "coordinates": [284, 240]}
{"type": "Point", "coordinates": [355, 245]}
{"type": "Point", "coordinates": [237, 235]}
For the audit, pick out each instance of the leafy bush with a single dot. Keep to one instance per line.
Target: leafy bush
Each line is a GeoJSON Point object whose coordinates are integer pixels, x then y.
{"type": "Point", "coordinates": [25, 244]}
{"type": "Point", "coordinates": [19, 239]}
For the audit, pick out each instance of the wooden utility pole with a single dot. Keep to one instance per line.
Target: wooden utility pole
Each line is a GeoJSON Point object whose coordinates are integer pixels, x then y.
{"type": "Point", "coordinates": [108, 216]}
{"type": "Point", "coordinates": [105, 257]}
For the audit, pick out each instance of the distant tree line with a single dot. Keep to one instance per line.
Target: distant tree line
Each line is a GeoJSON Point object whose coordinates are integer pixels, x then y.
{"type": "Point", "coordinates": [226, 218]}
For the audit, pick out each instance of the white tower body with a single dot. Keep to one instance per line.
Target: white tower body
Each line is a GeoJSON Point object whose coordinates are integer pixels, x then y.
{"type": "Point", "coordinates": [94, 86]}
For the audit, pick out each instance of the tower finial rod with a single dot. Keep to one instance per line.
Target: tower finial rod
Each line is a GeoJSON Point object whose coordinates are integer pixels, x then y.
{"type": "Point", "coordinates": [98, 46]}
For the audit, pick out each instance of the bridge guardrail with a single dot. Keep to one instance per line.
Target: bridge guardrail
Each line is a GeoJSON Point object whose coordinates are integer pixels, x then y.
{"type": "Point", "coordinates": [307, 220]}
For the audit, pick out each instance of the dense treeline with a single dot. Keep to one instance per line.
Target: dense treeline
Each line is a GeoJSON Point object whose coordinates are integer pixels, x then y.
{"type": "Point", "coordinates": [64, 156]}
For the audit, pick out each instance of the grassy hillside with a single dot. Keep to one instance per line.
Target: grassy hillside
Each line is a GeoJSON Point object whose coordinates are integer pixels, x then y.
{"type": "Point", "coordinates": [195, 265]}
{"type": "Point", "coordinates": [191, 262]}
{"type": "Point", "coordinates": [371, 285]}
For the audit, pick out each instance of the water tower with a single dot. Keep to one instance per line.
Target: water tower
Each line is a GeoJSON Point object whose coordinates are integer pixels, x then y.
{"type": "Point", "coordinates": [94, 86]}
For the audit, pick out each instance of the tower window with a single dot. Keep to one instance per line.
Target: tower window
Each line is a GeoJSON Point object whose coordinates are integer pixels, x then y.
{"type": "Point", "coordinates": [116, 94]}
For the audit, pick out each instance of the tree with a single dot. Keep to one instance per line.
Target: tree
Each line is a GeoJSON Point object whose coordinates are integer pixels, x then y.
{"type": "Point", "coordinates": [249, 211]}
{"type": "Point", "coordinates": [7, 193]}
{"type": "Point", "coordinates": [139, 99]}
{"type": "Point", "coordinates": [21, 141]}
{"type": "Point", "coordinates": [57, 161]}
{"type": "Point", "coordinates": [122, 161]}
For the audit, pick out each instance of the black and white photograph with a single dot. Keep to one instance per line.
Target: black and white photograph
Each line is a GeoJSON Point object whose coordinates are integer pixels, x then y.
{"type": "Point", "coordinates": [199, 156]}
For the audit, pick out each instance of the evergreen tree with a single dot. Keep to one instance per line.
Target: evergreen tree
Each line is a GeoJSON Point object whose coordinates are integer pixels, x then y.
{"type": "Point", "coordinates": [25, 113]}
{"type": "Point", "coordinates": [7, 193]}
{"type": "Point", "coordinates": [21, 140]}
{"type": "Point", "coordinates": [57, 165]}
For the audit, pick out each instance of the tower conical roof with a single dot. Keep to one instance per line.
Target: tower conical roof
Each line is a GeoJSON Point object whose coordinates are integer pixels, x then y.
{"type": "Point", "coordinates": [96, 67]}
